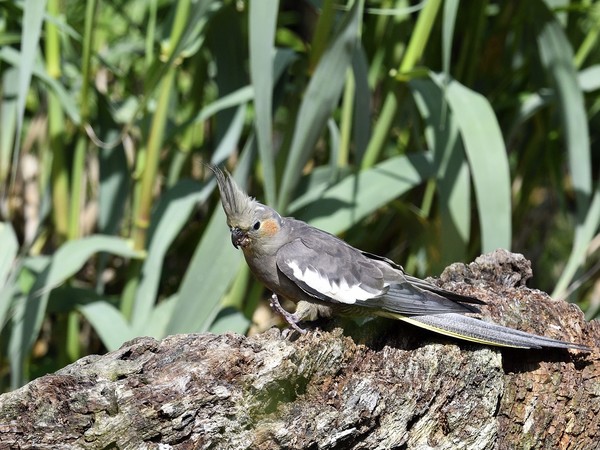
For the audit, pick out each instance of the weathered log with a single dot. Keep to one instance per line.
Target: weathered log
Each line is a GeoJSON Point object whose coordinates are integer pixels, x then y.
{"type": "Point", "coordinates": [378, 386]}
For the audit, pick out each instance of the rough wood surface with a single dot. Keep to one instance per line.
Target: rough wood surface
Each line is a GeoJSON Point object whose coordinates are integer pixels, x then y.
{"type": "Point", "coordinates": [382, 385]}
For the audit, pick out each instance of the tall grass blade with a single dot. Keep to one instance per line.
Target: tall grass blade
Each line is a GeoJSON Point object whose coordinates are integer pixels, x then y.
{"type": "Point", "coordinates": [320, 99]}
{"type": "Point", "coordinates": [484, 146]}
{"type": "Point", "coordinates": [584, 234]}
{"type": "Point", "coordinates": [10, 247]}
{"type": "Point", "coordinates": [67, 100]}
{"type": "Point", "coordinates": [211, 271]}
{"type": "Point", "coordinates": [33, 15]}
{"type": "Point", "coordinates": [239, 96]}
{"type": "Point", "coordinates": [557, 57]}
{"type": "Point", "coordinates": [361, 125]}
{"type": "Point", "coordinates": [108, 322]}
{"type": "Point", "coordinates": [168, 218]}
{"type": "Point", "coordinates": [448, 24]}
{"type": "Point", "coordinates": [8, 120]}
{"type": "Point", "coordinates": [231, 137]}
{"type": "Point", "coordinates": [263, 23]}
{"type": "Point", "coordinates": [453, 178]}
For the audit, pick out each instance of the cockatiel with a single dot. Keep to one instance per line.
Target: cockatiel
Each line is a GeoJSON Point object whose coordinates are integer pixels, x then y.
{"type": "Point", "coordinates": [324, 276]}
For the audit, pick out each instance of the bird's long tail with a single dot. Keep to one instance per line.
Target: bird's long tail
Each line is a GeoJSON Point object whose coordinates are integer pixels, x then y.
{"type": "Point", "coordinates": [475, 330]}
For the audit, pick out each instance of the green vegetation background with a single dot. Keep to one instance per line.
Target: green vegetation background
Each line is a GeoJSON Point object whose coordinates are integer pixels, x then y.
{"type": "Point", "coordinates": [428, 132]}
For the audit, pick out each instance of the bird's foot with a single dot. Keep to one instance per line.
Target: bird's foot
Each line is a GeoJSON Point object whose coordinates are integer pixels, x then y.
{"type": "Point", "coordinates": [290, 318]}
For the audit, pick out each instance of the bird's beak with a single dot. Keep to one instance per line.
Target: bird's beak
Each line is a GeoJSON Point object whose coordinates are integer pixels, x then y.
{"type": "Point", "coordinates": [237, 237]}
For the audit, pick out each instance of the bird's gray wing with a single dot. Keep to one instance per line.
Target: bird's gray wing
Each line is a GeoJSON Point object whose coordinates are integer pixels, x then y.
{"type": "Point", "coordinates": [330, 270]}
{"type": "Point", "coordinates": [329, 273]}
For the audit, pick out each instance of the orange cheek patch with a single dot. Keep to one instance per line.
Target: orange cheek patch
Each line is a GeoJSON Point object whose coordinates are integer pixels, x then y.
{"type": "Point", "coordinates": [269, 227]}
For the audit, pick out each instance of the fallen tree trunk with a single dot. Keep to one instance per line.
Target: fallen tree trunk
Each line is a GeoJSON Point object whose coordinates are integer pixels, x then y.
{"type": "Point", "coordinates": [387, 385]}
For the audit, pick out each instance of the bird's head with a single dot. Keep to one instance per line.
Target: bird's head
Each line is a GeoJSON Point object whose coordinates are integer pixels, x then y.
{"type": "Point", "coordinates": [252, 224]}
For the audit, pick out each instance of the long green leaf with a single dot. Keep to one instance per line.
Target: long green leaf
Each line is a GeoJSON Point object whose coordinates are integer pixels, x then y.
{"type": "Point", "coordinates": [227, 50]}
{"type": "Point", "coordinates": [238, 97]}
{"type": "Point", "coordinates": [338, 207]}
{"type": "Point", "coordinates": [231, 137]}
{"type": "Point", "coordinates": [557, 57]}
{"type": "Point", "coordinates": [450, 10]}
{"type": "Point", "coordinates": [108, 322]}
{"type": "Point", "coordinates": [453, 177]}
{"type": "Point", "coordinates": [589, 78]}
{"type": "Point", "coordinates": [334, 143]}
{"type": "Point", "coordinates": [211, 271]}
{"type": "Point", "coordinates": [33, 14]}
{"type": "Point", "coordinates": [66, 99]}
{"type": "Point", "coordinates": [114, 182]}
{"type": "Point", "coordinates": [10, 247]}
{"type": "Point", "coordinates": [484, 145]}
{"type": "Point", "coordinates": [263, 22]}
{"type": "Point", "coordinates": [319, 101]}
{"type": "Point", "coordinates": [228, 320]}
{"type": "Point", "coordinates": [361, 126]}
{"type": "Point", "coordinates": [156, 326]}
{"type": "Point", "coordinates": [167, 220]}
{"type": "Point", "coordinates": [8, 120]}
{"type": "Point", "coordinates": [584, 235]}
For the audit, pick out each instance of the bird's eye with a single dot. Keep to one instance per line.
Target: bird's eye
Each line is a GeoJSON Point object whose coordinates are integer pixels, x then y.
{"type": "Point", "coordinates": [256, 226]}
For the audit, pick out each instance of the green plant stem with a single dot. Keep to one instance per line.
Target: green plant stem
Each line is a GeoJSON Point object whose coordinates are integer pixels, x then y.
{"type": "Point", "coordinates": [77, 188]}
{"type": "Point", "coordinates": [151, 32]}
{"type": "Point", "coordinates": [73, 344]}
{"type": "Point", "coordinates": [346, 122]}
{"type": "Point", "coordinates": [193, 133]}
{"type": "Point", "coordinates": [381, 131]}
{"type": "Point", "coordinates": [321, 36]}
{"type": "Point", "coordinates": [90, 15]}
{"type": "Point", "coordinates": [130, 288]}
{"type": "Point", "coordinates": [149, 158]}
{"type": "Point", "coordinates": [148, 180]}
{"type": "Point", "coordinates": [56, 128]}
{"type": "Point", "coordinates": [588, 44]}
{"type": "Point", "coordinates": [414, 52]}
{"type": "Point", "coordinates": [193, 136]}
{"type": "Point", "coordinates": [420, 36]}
{"type": "Point", "coordinates": [155, 140]}
{"type": "Point", "coordinates": [428, 198]}
{"type": "Point", "coordinates": [59, 174]}
{"type": "Point", "coordinates": [78, 169]}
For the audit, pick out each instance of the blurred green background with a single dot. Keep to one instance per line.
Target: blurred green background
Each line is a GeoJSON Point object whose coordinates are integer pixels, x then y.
{"type": "Point", "coordinates": [428, 132]}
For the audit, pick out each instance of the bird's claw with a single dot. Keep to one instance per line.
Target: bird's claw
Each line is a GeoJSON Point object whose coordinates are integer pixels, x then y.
{"type": "Point", "coordinates": [290, 318]}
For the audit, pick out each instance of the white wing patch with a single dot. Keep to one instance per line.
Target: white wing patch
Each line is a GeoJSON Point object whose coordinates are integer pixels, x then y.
{"type": "Point", "coordinates": [341, 291]}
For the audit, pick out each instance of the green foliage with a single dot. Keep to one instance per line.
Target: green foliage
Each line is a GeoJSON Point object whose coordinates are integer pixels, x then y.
{"type": "Point", "coordinates": [427, 134]}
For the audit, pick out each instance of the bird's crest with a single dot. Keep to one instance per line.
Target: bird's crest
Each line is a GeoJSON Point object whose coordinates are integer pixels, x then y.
{"type": "Point", "coordinates": [238, 206]}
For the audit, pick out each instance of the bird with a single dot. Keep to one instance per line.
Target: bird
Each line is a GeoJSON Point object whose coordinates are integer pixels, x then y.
{"type": "Point", "coordinates": [325, 276]}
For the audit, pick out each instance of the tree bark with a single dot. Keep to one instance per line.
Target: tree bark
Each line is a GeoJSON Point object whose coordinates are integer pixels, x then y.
{"type": "Point", "coordinates": [380, 385]}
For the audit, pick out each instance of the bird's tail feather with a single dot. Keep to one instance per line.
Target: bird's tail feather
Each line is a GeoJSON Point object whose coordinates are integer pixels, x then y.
{"type": "Point", "coordinates": [475, 330]}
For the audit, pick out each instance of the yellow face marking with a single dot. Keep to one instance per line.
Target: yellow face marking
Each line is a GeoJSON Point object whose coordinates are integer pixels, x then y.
{"type": "Point", "coordinates": [269, 227]}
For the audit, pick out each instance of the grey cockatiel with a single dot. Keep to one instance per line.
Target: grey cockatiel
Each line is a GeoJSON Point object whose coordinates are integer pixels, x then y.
{"type": "Point", "coordinates": [324, 275]}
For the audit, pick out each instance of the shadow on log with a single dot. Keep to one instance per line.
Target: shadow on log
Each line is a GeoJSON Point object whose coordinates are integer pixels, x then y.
{"type": "Point", "coordinates": [379, 386]}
